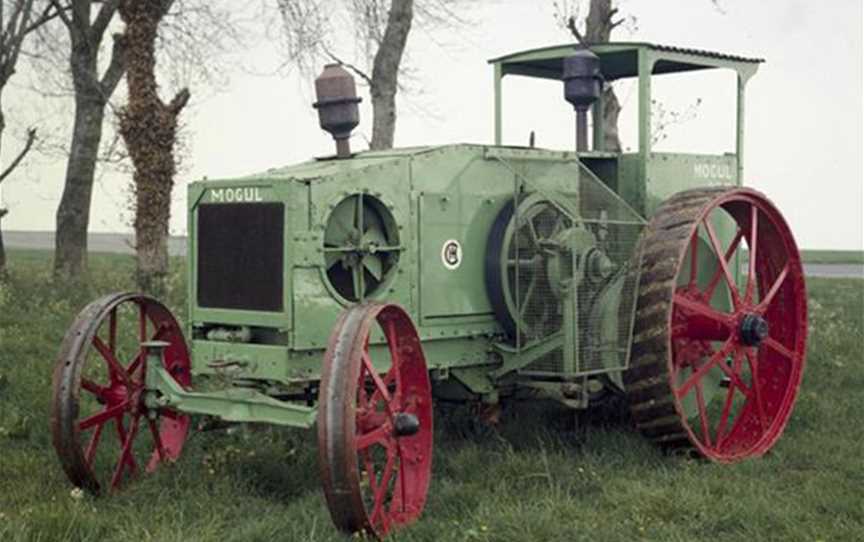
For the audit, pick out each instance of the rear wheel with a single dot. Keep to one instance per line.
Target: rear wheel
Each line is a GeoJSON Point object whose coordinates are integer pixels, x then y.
{"type": "Point", "coordinates": [102, 431]}
{"type": "Point", "coordinates": [716, 364]}
{"type": "Point", "coordinates": [374, 430]}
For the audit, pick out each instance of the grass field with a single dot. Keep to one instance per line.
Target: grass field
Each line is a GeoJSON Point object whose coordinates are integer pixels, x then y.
{"type": "Point", "coordinates": [538, 480]}
{"type": "Point", "coordinates": [833, 256]}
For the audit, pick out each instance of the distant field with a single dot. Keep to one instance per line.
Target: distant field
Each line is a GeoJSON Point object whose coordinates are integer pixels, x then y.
{"type": "Point", "coordinates": [538, 480]}
{"type": "Point", "coordinates": [833, 256]}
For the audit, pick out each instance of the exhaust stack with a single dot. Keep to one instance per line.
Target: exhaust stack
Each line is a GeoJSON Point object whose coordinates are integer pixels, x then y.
{"type": "Point", "coordinates": [338, 112]}
{"type": "Point", "coordinates": [582, 85]}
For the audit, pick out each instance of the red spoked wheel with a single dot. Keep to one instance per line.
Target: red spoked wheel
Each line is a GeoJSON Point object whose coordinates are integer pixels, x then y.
{"type": "Point", "coordinates": [374, 431]}
{"type": "Point", "coordinates": [102, 430]}
{"type": "Point", "coordinates": [717, 361]}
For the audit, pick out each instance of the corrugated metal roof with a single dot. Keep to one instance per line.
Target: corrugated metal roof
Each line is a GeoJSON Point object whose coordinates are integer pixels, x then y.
{"type": "Point", "coordinates": [635, 45]}
{"type": "Point", "coordinates": [700, 52]}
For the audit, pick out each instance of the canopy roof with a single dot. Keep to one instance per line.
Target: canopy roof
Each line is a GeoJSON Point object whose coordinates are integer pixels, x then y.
{"type": "Point", "coordinates": [621, 59]}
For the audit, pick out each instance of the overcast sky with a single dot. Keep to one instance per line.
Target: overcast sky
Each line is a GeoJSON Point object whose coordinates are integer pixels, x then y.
{"type": "Point", "coordinates": [804, 110]}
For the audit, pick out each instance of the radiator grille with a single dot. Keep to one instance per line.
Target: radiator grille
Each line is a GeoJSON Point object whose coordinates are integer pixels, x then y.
{"type": "Point", "coordinates": [240, 256]}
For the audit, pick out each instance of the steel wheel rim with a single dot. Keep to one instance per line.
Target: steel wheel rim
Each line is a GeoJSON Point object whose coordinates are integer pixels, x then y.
{"type": "Point", "coordinates": [350, 429]}
{"type": "Point", "coordinates": [78, 436]}
{"type": "Point", "coordinates": [774, 291]}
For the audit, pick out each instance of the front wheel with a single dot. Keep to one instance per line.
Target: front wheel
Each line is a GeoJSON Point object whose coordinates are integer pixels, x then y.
{"type": "Point", "coordinates": [102, 430]}
{"type": "Point", "coordinates": [374, 430]}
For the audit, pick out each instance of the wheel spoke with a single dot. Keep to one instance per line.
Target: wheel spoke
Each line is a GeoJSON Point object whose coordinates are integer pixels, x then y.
{"type": "Point", "coordinates": [752, 244]}
{"type": "Point", "coordinates": [395, 372]}
{"type": "Point", "coordinates": [756, 391]}
{"type": "Point", "coordinates": [775, 345]}
{"type": "Point", "coordinates": [99, 391]}
{"type": "Point", "coordinates": [697, 375]}
{"type": "Point", "coordinates": [718, 275]}
{"type": "Point", "coordinates": [735, 379]}
{"type": "Point", "coordinates": [721, 260]}
{"type": "Point", "coordinates": [379, 435]}
{"type": "Point", "coordinates": [126, 457]}
{"type": "Point", "coordinates": [103, 416]}
{"type": "Point", "coordinates": [533, 231]}
{"type": "Point", "coordinates": [724, 416]}
{"type": "Point", "coordinates": [380, 386]}
{"type": "Point", "coordinates": [381, 490]}
{"type": "Point", "coordinates": [90, 453]}
{"type": "Point", "coordinates": [769, 297]}
{"type": "Point", "coordinates": [703, 414]}
{"type": "Point", "coordinates": [528, 293]}
{"type": "Point", "coordinates": [115, 370]}
{"type": "Point", "coordinates": [694, 256]}
{"type": "Point", "coordinates": [370, 469]}
{"type": "Point", "coordinates": [702, 309]}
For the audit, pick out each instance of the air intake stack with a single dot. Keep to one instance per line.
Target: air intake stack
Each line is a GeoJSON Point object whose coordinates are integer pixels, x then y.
{"type": "Point", "coordinates": [338, 112]}
{"type": "Point", "coordinates": [582, 85]}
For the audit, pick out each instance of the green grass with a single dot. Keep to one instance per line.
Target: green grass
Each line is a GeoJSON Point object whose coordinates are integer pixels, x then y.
{"type": "Point", "coordinates": [833, 256]}
{"type": "Point", "coordinates": [537, 481]}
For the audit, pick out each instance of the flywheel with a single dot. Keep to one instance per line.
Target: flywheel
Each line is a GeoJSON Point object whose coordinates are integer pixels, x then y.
{"type": "Point", "coordinates": [721, 325]}
{"type": "Point", "coordinates": [523, 266]}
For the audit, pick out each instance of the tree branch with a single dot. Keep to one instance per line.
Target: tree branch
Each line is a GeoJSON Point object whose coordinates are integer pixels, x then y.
{"type": "Point", "coordinates": [360, 73]}
{"type": "Point", "coordinates": [571, 25]}
{"type": "Point", "coordinates": [31, 138]}
{"type": "Point", "coordinates": [179, 102]}
{"type": "Point", "coordinates": [61, 12]}
{"type": "Point", "coordinates": [116, 68]}
{"type": "Point", "coordinates": [103, 18]}
{"type": "Point", "coordinates": [47, 16]}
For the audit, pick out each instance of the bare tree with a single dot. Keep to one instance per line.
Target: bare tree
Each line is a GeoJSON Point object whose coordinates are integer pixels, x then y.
{"type": "Point", "coordinates": [380, 28]}
{"type": "Point", "coordinates": [18, 18]}
{"type": "Point", "coordinates": [149, 128]}
{"type": "Point", "coordinates": [86, 22]}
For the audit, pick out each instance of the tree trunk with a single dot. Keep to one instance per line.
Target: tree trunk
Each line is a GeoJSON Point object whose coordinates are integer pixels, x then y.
{"type": "Point", "coordinates": [149, 128]}
{"type": "Point", "coordinates": [385, 73]}
{"type": "Point", "coordinates": [73, 215]}
{"type": "Point", "coordinates": [2, 247]}
{"type": "Point", "coordinates": [2, 210]}
{"type": "Point", "coordinates": [598, 29]}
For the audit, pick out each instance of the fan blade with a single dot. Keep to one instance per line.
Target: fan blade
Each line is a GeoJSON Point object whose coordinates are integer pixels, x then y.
{"type": "Point", "coordinates": [331, 259]}
{"type": "Point", "coordinates": [373, 264]}
{"type": "Point", "coordinates": [375, 234]}
{"type": "Point", "coordinates": [340, 225]}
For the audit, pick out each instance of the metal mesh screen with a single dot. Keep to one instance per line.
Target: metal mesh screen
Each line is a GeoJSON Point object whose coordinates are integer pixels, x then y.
{"type": "Point", "coordinates": [573, 267]}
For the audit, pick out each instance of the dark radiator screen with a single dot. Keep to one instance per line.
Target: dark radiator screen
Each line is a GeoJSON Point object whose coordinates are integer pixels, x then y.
{"type": "Point", "coordinates": [240, 249]}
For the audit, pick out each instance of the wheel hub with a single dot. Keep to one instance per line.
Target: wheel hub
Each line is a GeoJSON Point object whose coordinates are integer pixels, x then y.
{"type": "Point", "coordinates": [405, 425]}
{"type": "Point", "coordinates": [753, 330]}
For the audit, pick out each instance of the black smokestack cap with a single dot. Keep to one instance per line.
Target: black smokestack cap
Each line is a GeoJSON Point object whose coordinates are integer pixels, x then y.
{"type": "Point", "coordinates": [583, 83]}
{"type": "Point", "coordinates": [582, 79]}
{"type": "Point", "coordinates": [338, 112]}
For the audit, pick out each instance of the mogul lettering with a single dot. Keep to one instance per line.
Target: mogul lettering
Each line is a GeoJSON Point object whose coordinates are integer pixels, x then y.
{"type": "Point", "coordinates": [235, 195]}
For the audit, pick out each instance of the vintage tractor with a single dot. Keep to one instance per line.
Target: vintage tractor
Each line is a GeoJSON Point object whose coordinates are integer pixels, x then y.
{"type": "Point", "coordinates": [349, 291]}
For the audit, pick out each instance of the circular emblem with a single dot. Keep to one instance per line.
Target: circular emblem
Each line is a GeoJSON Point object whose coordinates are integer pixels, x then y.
{"type": "Point", "coordinates": [451, 254]}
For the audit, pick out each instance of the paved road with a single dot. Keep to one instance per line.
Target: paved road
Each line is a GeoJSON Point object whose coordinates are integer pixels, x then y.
{"type": "Point", "coordinates": [122, 244]}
